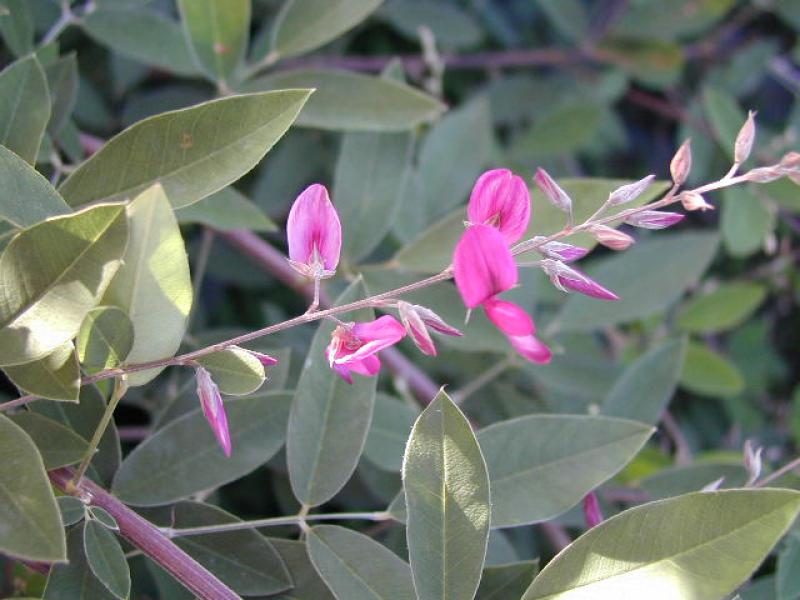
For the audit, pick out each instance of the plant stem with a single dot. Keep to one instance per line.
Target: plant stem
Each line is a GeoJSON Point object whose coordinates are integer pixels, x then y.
{"type": "Point", "coordinates": [481, 380]}
{"type": "Point", "coordinates": [297, 519]}
{"type": "Point", "coordinates": [120, 387]}
{"type": "Point", "coordinates": [147, 538]}
{"type": "Point", "coordinates": [64, 20]}
{"type": "Point", "coordinates": [787, 468]}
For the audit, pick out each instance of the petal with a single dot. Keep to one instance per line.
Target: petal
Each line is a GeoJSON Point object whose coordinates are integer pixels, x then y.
{"type": "Point", "coordinates": [508, 317]}
{"type": "Point", "coordinates": [531, 348]}
{"type": "Point", "coordinates": [562, 251]}
{"type": "Point", "coordinates": [367, 367]}
{"type": "Point", "coordinates": [213, 408]}
{"type": "Point", "coordinates": [482, 264]}
{"type": "Point", "coordinates": [422, 339]}
{"type": "Point", "coordinates": [501, 199]}
{"type": "Point", "coordinates": [384, 328]}
{"type": "Point", "coordinates": [583, 284]}
{"type": "Point", "coordinates": [343, 371]}
{"type": "Point", "coordinates": [313, 227]}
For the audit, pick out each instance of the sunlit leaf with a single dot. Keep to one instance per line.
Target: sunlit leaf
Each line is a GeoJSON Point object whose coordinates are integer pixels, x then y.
{"type": "Point", "coordinates": [234, 370]}
{"type": "Point", "coordinates": [105, 338]}
{"type": "Point", "coordinates": [56, 376]}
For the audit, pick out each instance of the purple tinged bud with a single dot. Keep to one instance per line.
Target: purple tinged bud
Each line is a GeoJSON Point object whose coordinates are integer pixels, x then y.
{"type": "Point", "coordinates": [654, 219]}
{"type": "Point", "coordinates": [213, 408]}
{"type": "Point", "coordinates": [591, 510]}
{"type": "Point", "coordinates": [627, 193]}
{"type": "Point", "coordinates": [552, 191]}
{"type": "Point", "coordinates": [264, 359]}
{"type": "Point", "coordinates": [681, 163]}
{"type": "Point", "coordinates": [766, 174]}
{"type": "Point", "coordinates": [610, 237]}
{"type": "Point", "coordinates": [416, 328]}
{"type": "Point", "coordinates": [560, 250]}
{"type": "Point", "coordinates": [567, 279]}
{"type": "Point", "coordinates": [693, 201]}
{"type": "Point", "coordinates": [745, 138]}
{"type": "Point", "coordinates": [435, 322]}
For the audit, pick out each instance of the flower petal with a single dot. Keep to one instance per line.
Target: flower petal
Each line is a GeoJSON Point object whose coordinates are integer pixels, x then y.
{"type": "Point", "coordinates": [213, 408]}
{"type": "Point", "coordinates": [313, 229]}
{"type": "Point", "coordinates": [367, 367]}
{"type": "Point", "coordinates": [385, 328]}
{"type": "Point", "coordinates": [531, 348]}
{"type": "Point", "coordinates": [501, 199]}
{"type": "Point", "coordinates": [508, 317]}
{"type": "Point", "coordinates": [482, 264]}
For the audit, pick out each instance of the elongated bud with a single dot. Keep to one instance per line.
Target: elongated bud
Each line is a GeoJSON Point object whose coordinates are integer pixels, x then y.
{"type": "Point", "coordinates": [314, 233]}
{"type": "Point", "coordinates": [591, 510]}
{"type": "Point", "coordinates": [765, 174]}
{"type": "Point", "coordinates": [566, 278]}
{"type": "Point", "coordinates": [790, 161]}
{"type": "Point", "coordinates": [415, 327]}
{"type": "Point", "coordinates": [694, 201]}
{"type": "Point", "coordinates": [502, 200]}
{"type": "Point", "coordinates": [560, 250]}
{"type": "Point", "coordinates": [435, 322]}
{"type": "Point", "coordinates": [752, 462]}
{"type": "Point", "coordinates": [552, 191]}
{"type": "Point", "coordinates": [611, 238]}
{"type": "Point", "coordinates": [681, 163]}
{"type": "Point", "coordinates": [213, 408]}
{"type": "Point", "coordinates": [627, 193]}
{"type": "Point", "coordinates": [264, 359]}
{"type": "Point", "coordinates": [744, 140]}
{"type": "Point", "coordinates": [654, 219]}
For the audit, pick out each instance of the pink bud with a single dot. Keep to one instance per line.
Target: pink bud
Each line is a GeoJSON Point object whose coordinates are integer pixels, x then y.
{"type": "Point", "coordinates": [213, 408]}
{"type": "Point", "coordinates": [501, 199]}
{"type": "Point", "coordinates": [694, 201]}
{"type": "Point", "coordinates": [530, 348]}
{"type": "Point", "coordinates": [557, 196]}
{"type": "Point", "coordinates": [744, 139]}
{"type": "Point", "coordinates": [483, 265]}
{"type": "Point", "coordinates": [508, 317]}
{"type": "Point", "coordinates": [354, 347]}
{"type": "Point", "coordinates": [264, 359]}
{"type": "Point", "coordinates": [610, 237]}
{"type": "Point", "coordinates": [765, 174]}
{"type": "Point", "coordinates": [315, 233]}
{"type": "Point", "coordinates": [629, 192]}
{"type": "Point", "coordinates": [435, 322]}
{"type": "Point", "coordinates": [566, 278]}
{"type": "Point", "coordinates": [681, 163]}
{"type": "Point", "coordinates": [591, 510]}
{"type": "Point", "coordinates": [560, 250]}
{"type": "Point", "coordinates": [654, 219]}
{"type": "Point", "coordinates": [416, 328]}
{"type": "Point", "coordinates": [790, 161]}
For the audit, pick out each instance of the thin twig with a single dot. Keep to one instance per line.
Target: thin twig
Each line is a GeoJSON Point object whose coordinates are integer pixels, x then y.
{"type": "Point", "coordinates": [482, 379]}
{"type": "Point", "coordinates": [787, 468]}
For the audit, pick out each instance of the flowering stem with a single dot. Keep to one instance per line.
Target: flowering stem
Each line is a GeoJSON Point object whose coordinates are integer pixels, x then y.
{"type": "Point", "coordinates": [787, 468]}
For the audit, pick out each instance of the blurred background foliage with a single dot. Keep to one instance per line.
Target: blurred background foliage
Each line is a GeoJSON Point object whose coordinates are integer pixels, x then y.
{"type": "Point", "coordinates": [607, 89]}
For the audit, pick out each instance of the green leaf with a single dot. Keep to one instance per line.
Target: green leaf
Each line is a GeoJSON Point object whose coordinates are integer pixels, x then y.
{"type": "Point", "coordinates": [369, 186]}
{"type": "Point", "coordinates": [218, 32]}
{"type": "Point", "coordinates": [569, 17]}
{"type": "Point", "coordinates": [29, 515]}
{"type": "Point", "coordinates": [106, 559]}
{"type": "Point", "coordinates": [451, 26]}
{"type": "Point", "coordinates": [58, 445]}
{"type": "Point", "coordinates": [24, 107]}
{"type": "Point", "coordinates": [29, 198]}
{"type": "Point", "coordinates": [708, 373]}
{"type": "Point", "coordinates": [46, 300]}
{"type": "Point", "coordinates": [307, 583]}
{"type": "Point", "coordinates": [102, 516]}
{"type": "Point", "coordinates": [540, 466]}
{"type": "Point", "coordinates": [192, 152]}
{"type": "Point", "coordinates": [561, 131]}
{"type": "Point", "coordinates": [692, 478]}
{"type": "Point", "coordinates": [72, 510]}
{"type": "Point", "coordinates": [745, 221]}
{"type": "Point", "coordinates": [648, 278]}
{"type": "Point", "coordinates": [303, 25]}
{"type": "Point", "coordinates": [330, 418]}
{"type": "Point", "coordinates": [729, 305]}
{"type": "Point", "coordinates": [234, 370]}
{"type": "Point", "coordinates": [646, 387]}
{"type": "Point", "coordinates": [447, 498]}
{"type": "Point", "coordinates": [670, 547]}
{"type": "Point", "coordinates": [357, 567]}
{"type": "Point", "coordinates": [650, 20]}
{"type": "Point", "coordinates": [105, 338]}
{"type": "Point", "coordinates": [227, 209]}
{"type": "Point", "coordinates": [153, 286]}
{"type": "Point", "coordinates": [353, 102]}
{"type": "Point", "coordinates": [655, 63]}
{"type": "Point", "coordinates": [62, 81]}
{"type": "Point", "coordinates": [788, 580]}
{"type": "Point", "coordinates": [189, 458]}
{"type": "Point", "coordinates": [141, 34]}
{"type": "Point", "coordinates": [56, 376]}
{"type": "Point", "coordinates": [386, 441]}
{"type": "Point", "coordinates": [725, 116]}
{"type": "Point", "coordinates": [74, 580]}
{"type": "Point", "coordinates": [17, 26]}
{"type": "Point", "coordinates": [244, 560]}
{"type": "Point", "coordinates": [507, 581]}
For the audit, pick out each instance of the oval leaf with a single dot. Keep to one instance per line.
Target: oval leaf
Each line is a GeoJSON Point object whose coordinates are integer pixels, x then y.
{"type": "Point", "coordinates": [153, 287]}
{"type": "Point", "coordinates": [105, 338]}
{"type": "Point", "coordinates": [106, 559]}
{"type": "Point", "coordinates": [724, 308]}
{"type": "Point", "coordinates": [75, 580]}
{"type": "Point", "coordinates": [226, 210]}
{"type": "Point", "coordinates": [192, 152]}
{"type": "Point", "coordinates": [448, 506]}
{"type": "Point", "coordinates": [29, 515]}
{"type": "Point", "coordinates": [45, 301]}
{"type": "Point", "coordinates": [72, 510]}
{"type": "Point", "coordinates": [28, 198]}
{"type": "Point", "coordinates": [218, 32]}
{"type": "Point", "coordinates": [190, 459]}
{"type": "Point", "coordinates": [24, 107]}
{"type": "Point", "coordinates": [542, 465]}
{"type": "Point", "coordinates": [57, 376]}
{"type": "Point", "coordinates": [391, 423]}
{"type": "Point", "coordinates": [671, 547]}
{"type": "Point", "coordinates": [58, 445]}
{"type": "Point", "coordinates": [330, 418]}
{"type": "Point", "coordinates": [709, 373]}
{"type": "Point", "coordinates": [507, 581]}
{"type": "Point", "coordinates": [234, 370]}
{"type": "Point", "coordinates": [357, 567]}
{"type": "Point", "coordinates": [307, 583]}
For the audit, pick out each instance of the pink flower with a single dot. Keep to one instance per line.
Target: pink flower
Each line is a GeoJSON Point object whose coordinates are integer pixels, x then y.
{"type": "Point", "coordinates": [566, 278]}
{"type": "Point", "coordinates": [552, 191]}
{"type": "Point", "coordinates": [502, 200]}
{"type": "Point", "coordinates": [483, 268]}
{"type": "Point", "coordinates": [315, 233]}
{"type": "Point", "coordinates": [654, 219]}
{"type": "Point", "coordinates": [417, 320]}
{"type": "Point", "coordinates": [560, 250]}
{"type": "Point", "coordinates": [213, 408]}
{"type": "Point", "coordinates": [591, 510]}
{"type": "Point", "coordinates": [353, 347]}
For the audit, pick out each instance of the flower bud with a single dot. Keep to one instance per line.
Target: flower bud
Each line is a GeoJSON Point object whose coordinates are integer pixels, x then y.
{"type": "Point", "coordinates": [566, 278]}
{"type": "Point", "coordinates": [560, 250]}
{"type": "Point", "coordinates": [654, 219]}
{"type": "Point", "coordinates": [791, 161]}
{"type": "Point", "coordinates": [765, 174]}
{"type": "Point", "coordinates": [611, 238]}
{"type": "Point", "coordinates": [744, 140]}
{"type": "Point", "coordinates": [713, 486]}
{"type": "Point", "coordinates": [264, 359]}
{"type": "Point", "coordinates": [591, 510]}
{"type": "Point", "coordinates": [752, 462]}
{"type": "Point", "coordinates": [213, 408]}
{"type": "Point", "coordinates": [415, 327]}
{"type": "Point", "coordinates": [502, 200]}
{"type": "Point", "coordinates": [552, 191]}
{"type": "Point", "coordinates": [435, 322]}
{"type": "Point", "coordinates": [314, 233]}
{"type": "Point", "coordinates": [681, 163]}
{"type": "Point", "coordinates": [627, 193]}
{"type": "Point", "coordinates": [694, 201]}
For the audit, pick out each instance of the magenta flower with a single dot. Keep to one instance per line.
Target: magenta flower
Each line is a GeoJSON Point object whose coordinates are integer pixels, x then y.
{"type": "Point", "coordinates": [213, 408]}
{"type": "Point", "coordinates": [417, 320]}
{"type": "Point", "coordinates": [654, 219]}
{"type": "Point", "coordinates": [591, 510]}
{"type": "Point", "coordinates": [502, 200]}
{"type": "Point", "coordinates": [560, 250]}
{"type": "Point", "coordinates": [315, 233]}
{"type": "Point", "coordinates": [552, 191]}
{"type": "Point", "coordinates": [354, 347]}
{"type": "Point", "coordinates": [483, 268]}
{"type": "Point", "coordinates": [566, 278]}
